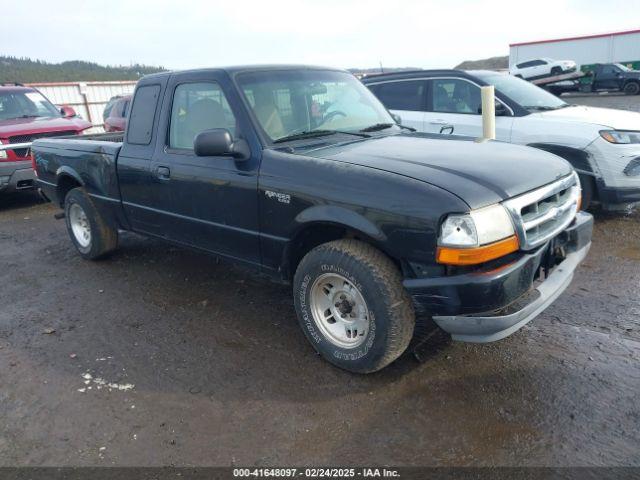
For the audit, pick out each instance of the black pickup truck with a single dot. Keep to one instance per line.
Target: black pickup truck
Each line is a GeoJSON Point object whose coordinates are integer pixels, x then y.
{"type": "Point", "coordinates": [300, 172]}
{"type": "Point", "coordinates": [611, 77]}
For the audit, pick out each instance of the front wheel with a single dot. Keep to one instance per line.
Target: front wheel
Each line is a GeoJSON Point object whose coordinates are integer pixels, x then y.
{"type": "Point", "coordinates": [352, 307]}
{"type": "Point", "coordinates": [89, 232]}
{"type": "Point", "coordinates": [632, 88]}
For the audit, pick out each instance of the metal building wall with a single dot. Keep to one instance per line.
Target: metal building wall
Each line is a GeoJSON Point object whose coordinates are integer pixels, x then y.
{"type": "Point", "coordinates": [88, 99]}
{"type": "Point", "coordinates": [620, 47]}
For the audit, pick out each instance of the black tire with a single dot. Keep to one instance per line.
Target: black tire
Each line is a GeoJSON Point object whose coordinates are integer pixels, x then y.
{"type": "Point", "coordinates": [587, 185]}
{"type": "Point", "coordinates": [555, 91]}
{"type": "Point", "coordinates": [103, 238]}
{"type": "Point", "coordinates": [632, 88]}
{"type": "Point", "coordinates": [556, 71]}
{"type": "Point", "coordinates": [391, 318]}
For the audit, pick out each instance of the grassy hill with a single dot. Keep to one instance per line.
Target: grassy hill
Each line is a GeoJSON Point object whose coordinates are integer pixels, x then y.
{"type": "Point", "coordinates": [25, 70]}
{"type": "Point", "coordinates": [493, 63]}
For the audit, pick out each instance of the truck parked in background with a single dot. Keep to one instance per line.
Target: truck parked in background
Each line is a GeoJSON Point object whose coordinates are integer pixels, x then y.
{"type": "Point", "coordinates": [26, 114]}
{"type": "Point", "coordinates": [116, 118]}
{"type": "Point", "coordinates": [611, 77]}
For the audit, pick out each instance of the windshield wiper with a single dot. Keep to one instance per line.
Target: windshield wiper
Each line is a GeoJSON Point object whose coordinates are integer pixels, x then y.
{"type": "Point", "coordinates": [377, 127]}
{"type": "Point", "coordinates": [544, 108]}
{"type": "Point", "coordinates": [384, 126]}
{"type": "Point", "coordinates": [21, 116]}
{"type": "Point", "coordinates": [316, 133]}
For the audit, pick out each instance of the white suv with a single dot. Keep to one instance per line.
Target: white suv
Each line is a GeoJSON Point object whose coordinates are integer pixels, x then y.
{"type": "Point", "coordinates": [603, 145]}
{"type": "Point", "coordinates": [542, 67]}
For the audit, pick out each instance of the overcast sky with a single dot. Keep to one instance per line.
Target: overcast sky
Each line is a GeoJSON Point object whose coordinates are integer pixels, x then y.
{"type": "Point", "coordinates": [339, 33]}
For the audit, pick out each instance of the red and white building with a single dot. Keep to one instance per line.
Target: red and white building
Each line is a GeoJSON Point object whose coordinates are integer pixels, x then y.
{"type": "Point", "coordinates": [615, 47]}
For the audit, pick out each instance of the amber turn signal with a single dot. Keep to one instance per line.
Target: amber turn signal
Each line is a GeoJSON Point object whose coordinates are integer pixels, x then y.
{"type": "Point", "coordinates": [476, 255]}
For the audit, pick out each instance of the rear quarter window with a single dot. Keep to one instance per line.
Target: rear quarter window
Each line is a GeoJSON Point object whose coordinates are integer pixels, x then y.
{"type": "Point", "coordinates": [140, 129]}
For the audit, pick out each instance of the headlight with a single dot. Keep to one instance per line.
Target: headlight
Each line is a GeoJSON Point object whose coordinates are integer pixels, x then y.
{"type": "Point", "coordinates": [3, 154]}
{"type": "Point", "coordinates": [620, 136]}
{"type": "Point", "coordinates": [476, 237]}
{"type": "Point", "coordinates": [477, 228]}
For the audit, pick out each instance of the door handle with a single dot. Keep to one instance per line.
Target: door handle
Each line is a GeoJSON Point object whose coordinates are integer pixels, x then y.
{"type": "Point", "coordinates": [163, 173]}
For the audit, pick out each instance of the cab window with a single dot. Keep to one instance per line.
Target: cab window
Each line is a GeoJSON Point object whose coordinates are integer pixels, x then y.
{"type": "Point", "coordinates": [406, 95]}
{"type": "Point", "coordinates": [198, 107]}
{"type": "Point", "coordinates": [450, 95]}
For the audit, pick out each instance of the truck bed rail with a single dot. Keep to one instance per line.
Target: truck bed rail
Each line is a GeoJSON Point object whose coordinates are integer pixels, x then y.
{"type": "Point", "coordinates": [105, 137]}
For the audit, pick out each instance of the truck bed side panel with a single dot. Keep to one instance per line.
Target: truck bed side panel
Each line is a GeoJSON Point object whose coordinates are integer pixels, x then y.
{"type": "Point", "coordinates": [92, 164]}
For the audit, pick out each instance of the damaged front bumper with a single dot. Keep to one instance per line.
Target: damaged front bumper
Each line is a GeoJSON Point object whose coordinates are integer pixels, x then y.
{"type": "Point", "coordinates": [486, 306]}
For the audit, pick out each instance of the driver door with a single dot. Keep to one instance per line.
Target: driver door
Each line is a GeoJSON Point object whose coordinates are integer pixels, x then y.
{"type": "Point", "coordinates": [207, 202]}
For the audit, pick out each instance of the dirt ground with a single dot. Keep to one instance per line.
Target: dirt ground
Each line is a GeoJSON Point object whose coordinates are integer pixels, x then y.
{"type": "Point", "coordinates": [163, 356]}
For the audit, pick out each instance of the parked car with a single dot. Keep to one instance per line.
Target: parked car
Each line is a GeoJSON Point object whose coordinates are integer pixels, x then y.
{"type": "Point", "coordinates": [116, 120]}
{"type": "Point", "coordinates": [602, 145]}
{"type": "Point", "coordinates": [542, 67]}
{"type": "Point", "coordinates": [612, 77]}
{"type": "Point", "coordinates": [107, 108]}
{"type": "Point", "coordinates": [26, 114]}
{"type": "Point", "coordinates": [302, 174]}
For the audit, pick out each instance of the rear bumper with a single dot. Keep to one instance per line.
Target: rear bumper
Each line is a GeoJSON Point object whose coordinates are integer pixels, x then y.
{"type": "Point", "coordinates": [488, 306]}
{"type": "Point", "coordinates": [16, 176]}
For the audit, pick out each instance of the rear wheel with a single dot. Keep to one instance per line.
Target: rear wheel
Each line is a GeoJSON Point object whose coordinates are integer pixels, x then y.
{"type": "Point", "coordinates": [89, 232]}
{"type": "Point", "coordinates": [632, 88]}
{"type": "Point", "coordinates": [556, 71]}
{"type": "Point", "coordinates": [352, 307]}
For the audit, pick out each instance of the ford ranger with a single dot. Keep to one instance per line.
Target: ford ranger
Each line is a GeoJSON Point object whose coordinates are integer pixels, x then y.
{"type": "Point", "coordinates": [301, 173]}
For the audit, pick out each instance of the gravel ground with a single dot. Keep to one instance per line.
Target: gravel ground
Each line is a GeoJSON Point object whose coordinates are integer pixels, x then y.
{"type": "Point", "coordinates": [163, 356]}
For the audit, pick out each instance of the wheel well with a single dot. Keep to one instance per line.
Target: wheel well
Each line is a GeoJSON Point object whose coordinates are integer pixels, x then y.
{"type": "Point", "coordinates": [317, 234]}
{"type": "Point", "coordinates": [579, 159]}
{"type": "Point", "coordinates": [65, 184]}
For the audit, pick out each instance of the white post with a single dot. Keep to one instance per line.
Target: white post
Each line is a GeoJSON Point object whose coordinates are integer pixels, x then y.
{"type": "Point", "coordinates": [488, 112]}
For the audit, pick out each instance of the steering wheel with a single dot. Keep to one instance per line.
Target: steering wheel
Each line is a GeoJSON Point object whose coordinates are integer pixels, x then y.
{"type": "Point", "coordinates": [329, 116]}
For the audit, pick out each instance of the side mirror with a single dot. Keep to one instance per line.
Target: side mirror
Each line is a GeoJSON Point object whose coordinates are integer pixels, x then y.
{"type": "Point", "coordinates": [218, 142]}
{"type": "Point", "coordinates": [397, 118]}
{"type": "Point", "coordinates": [67, 111]}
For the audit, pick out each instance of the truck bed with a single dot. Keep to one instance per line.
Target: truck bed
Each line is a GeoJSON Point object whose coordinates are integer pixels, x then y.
{"type": "Point", "coordinates": [87, 160]}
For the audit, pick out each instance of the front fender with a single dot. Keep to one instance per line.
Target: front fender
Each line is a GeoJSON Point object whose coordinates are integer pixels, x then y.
{"type": "Point", "coordinates": [340, 216]}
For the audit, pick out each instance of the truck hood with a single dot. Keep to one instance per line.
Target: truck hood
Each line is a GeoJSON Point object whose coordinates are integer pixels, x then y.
{"type": "Point", "coordinates": [607, 117]}
{"type": "Point", "coordinates": [479, 173]}
{"type": "Point", "coordinates": [31, 126]}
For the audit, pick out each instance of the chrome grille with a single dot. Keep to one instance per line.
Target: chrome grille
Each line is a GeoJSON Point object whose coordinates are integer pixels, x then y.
{"type": "Point", "coordinates": [24, 152]}
{"type": "Point", "coordinates": [543, 213]}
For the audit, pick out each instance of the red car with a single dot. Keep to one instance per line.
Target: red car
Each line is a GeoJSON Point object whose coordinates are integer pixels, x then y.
{"type": "Point", "coordinates": [26, 114]}
{"type": "Point", "coordinates": [116, 120]}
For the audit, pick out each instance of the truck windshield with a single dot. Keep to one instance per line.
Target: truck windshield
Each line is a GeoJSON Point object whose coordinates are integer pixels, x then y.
{"type": "Point", "coordinates": [293, 104]}
{"type": "Point", "coordinates": [622, 67]}
{"type": "Point", "coordinates": [522, 92]}
{"type": "Point", "coordinates": [25, 104]}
